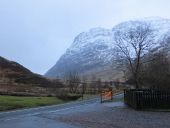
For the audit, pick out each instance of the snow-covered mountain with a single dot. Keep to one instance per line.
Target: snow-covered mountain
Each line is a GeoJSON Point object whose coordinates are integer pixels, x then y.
{"type": "Point", "coordinates": [93, 52]}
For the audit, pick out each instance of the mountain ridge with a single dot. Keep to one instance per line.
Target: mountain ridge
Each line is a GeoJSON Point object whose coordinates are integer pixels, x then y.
{"type": "Point", "coordinates": [95, 49]}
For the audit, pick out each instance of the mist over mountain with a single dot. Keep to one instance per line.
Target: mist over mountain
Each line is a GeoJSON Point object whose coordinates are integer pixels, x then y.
{"type": "Point", "coordinates": [93, 52]}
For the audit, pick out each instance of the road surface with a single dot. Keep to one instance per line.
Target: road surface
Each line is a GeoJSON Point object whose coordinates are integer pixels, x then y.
{"type": "Point", "coordinates": [85, 114]}
{"type": "Point", "coordinates": [40, 117]}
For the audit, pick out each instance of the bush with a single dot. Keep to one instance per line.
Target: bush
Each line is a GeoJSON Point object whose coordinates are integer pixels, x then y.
{"type": "Point", "coordinates": [69, 96]}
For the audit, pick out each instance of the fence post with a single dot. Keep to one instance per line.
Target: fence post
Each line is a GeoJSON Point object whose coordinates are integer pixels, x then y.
{"type": "Point", "coordinates": [101, 98]}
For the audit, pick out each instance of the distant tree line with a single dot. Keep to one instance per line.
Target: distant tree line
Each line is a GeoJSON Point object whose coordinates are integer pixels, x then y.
{"type": "Point", "coordinates": [75, 83]}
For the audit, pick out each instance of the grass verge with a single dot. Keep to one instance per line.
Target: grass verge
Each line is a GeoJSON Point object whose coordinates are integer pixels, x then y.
{"type": "Point", "coordinates": [16, 102]}
{"type": "Point", "coordinates": [118, 99]}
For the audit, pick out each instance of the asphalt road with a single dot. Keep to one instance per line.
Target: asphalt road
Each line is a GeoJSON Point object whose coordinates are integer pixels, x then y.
{"type": "Point", "coordinates": [47, 117]}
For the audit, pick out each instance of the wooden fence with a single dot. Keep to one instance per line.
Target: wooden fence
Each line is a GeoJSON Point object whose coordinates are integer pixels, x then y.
{"type": "Point", "coordinates": [147, 99]}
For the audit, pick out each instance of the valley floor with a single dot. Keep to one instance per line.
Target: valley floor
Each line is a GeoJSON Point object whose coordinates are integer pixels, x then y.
{"type": "Point", "coordinates": [85, 114]}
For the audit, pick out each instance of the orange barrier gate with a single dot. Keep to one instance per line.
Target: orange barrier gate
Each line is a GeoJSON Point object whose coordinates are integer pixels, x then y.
{"type": "Point", "coordinates": [106, 96]}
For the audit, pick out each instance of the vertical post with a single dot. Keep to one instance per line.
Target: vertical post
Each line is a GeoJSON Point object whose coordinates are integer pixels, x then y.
{"type": "Point", "coordinates": [111, 94]}
{"type": "Point", "coordinates": [101, 97]}
{"type": "Point", "coordinates": [82, 96]}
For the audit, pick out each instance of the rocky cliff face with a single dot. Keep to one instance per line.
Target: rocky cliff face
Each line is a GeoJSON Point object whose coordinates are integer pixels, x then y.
{"type": "Point", "coordinates": [93, 52]}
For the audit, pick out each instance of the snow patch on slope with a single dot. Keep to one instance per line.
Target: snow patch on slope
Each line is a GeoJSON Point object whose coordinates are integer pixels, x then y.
{"type": "Point", "coordinates": [95, 48]}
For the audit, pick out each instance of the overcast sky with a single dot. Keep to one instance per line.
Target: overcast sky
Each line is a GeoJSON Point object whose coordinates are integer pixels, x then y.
{"type": "Point", "coordinates": [36, 33]}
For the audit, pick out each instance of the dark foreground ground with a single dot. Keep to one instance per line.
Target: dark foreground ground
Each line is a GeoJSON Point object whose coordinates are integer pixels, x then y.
{"type": "Point", "coordinates": [87, 114]}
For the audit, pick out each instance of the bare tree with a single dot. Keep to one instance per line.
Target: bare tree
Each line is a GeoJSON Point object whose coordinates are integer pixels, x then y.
{"type": "Point", "coordinates": [84, 86]}
{"type": "Point", "coordinates": [93, 84]}
{"type": "Point", "coordinates": [117, 83]}
{"type": "Point", "coordinates": [132, 45]}
{"type": "Point", "coordinates": [99, 85]}
{"type": "Point", "coordinates": [73, 80]}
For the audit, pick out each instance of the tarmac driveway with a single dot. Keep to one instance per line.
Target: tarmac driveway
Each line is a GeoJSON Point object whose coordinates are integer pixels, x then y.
{"type": "Point", "coordinates": [87, 114]}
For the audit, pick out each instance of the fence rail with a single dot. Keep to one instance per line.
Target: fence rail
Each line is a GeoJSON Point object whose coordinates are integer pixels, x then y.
{"type": "Point", "coordinates": [147, 99]}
